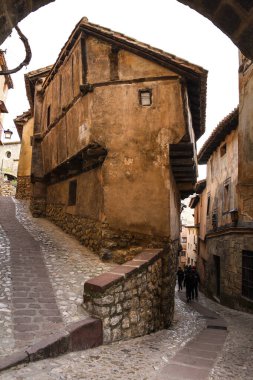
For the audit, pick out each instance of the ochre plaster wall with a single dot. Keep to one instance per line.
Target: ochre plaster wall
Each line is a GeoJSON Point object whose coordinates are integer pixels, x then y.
{"type": "Point", "coordinates": [131, 66]}
{"type": "Point", "coordinates": [24, 165]}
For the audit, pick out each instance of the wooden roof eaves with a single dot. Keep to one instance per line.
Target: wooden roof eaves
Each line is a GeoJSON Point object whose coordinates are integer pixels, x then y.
{"type": "Point", "coordinates": [30, 80]}
{"type": "Point", "coordinates": [20, 121]}
{"type": "Point", "coordinates": [224, 128]}
{"type": "Point", "coordinates": [200, 186]}
{"type": "Point", "coordinates": [194, 201]}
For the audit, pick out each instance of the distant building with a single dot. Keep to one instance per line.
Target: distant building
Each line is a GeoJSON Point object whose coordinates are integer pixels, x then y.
{"type": "Point", "coordinates": [9, 157]}
{"type": "Point", "coordinates": [189, 245]}
{"type": "Point", "coordinates": [225, 258]}
{"type": "Point", "coordinates": [24, 124]}
{"type": "Point", "coordinates": [5, 84]}
{"type": "Point", "coordinates": [25, 127]}
{"type": "Point", "coordinates": [188, 235]}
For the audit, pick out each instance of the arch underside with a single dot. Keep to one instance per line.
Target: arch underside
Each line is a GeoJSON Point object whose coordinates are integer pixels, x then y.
{"type": "Point", "coordinates": [233, 17]}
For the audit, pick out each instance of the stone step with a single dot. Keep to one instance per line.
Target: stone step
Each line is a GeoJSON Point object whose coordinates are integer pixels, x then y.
{"type": "Point", "coordinates": [80, 335]}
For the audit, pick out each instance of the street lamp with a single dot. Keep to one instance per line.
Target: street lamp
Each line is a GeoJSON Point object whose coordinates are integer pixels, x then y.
{"type": "Point", "coordinates": [7, 134]}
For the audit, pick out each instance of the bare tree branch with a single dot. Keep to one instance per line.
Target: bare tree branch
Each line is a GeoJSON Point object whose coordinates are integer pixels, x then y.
{"type": "Point", "coordinates": [28, 56]}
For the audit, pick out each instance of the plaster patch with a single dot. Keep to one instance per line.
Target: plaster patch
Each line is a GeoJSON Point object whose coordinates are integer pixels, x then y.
{"type": "Point", "coordinates": [128, 161]}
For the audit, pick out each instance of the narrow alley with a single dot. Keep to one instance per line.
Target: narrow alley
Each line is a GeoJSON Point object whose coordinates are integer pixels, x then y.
{"type": "Point", "coordinates": [41, 291]}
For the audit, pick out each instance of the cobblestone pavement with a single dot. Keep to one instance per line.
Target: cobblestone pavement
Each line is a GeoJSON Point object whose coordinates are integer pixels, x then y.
{"type": "Point", "coordinates": [144, 357]}
{"type": "Point", "coordinates": [138, 358]}
{"type": "Point", "coordinates": [42, 271]}
{"type": "Point", "coordinates": [69, 265]}
{"type": "Point", "coordinates": [236, 358]}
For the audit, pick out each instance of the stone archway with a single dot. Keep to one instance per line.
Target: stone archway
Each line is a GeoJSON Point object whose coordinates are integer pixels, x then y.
{"type": "Point", "coordinates": [13, 11]}
{"type": "Point", "coordinates": [232, 17]}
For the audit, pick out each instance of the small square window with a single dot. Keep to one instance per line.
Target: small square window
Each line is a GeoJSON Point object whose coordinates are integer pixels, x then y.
{"type": "Point", "coordinates": [223, 150]}
{"type": "Point", "coordinates": [72, 193]}
{"type": "Point", "coordinates": [145, 97]}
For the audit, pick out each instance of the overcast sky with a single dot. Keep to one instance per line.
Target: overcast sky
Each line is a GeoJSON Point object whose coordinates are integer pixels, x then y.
{"type": "Point", "coordinates": [165, 24]}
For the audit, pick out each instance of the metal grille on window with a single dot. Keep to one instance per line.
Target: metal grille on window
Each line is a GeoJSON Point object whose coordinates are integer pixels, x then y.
{"type": "Point", "coordinates": [247, 274]}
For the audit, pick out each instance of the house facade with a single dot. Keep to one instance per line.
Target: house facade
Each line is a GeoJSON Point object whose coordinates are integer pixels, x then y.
{"type": "Point", "coordinates": [225, 240]}
{"type": "Point", "coordinates": [24, 124]}
{"type": "Point", "coordinates": [114, 151]}
{"type": "Point", "coordinates": [189, 245]}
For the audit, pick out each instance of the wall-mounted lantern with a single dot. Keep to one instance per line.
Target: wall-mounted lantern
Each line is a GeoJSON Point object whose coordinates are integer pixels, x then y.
{"type": "Point", "coordinates": [234, 216]}
{"type": "Point", "coordinates": [7, 134]}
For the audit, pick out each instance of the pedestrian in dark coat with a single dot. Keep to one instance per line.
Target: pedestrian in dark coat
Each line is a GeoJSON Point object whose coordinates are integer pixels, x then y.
{"type": "Point", "coordinates": [189, 284]}
{"type": "Point", "coordinates": [196, 281]}
{"type": "Point", "coordinates": [180, 278]}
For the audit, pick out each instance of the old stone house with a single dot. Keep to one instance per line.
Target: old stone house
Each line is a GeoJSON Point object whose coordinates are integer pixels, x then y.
{"type": "Point", "coordinates": [115, 125]}
{"type": "Point", "coordinates": [9, 158]}
{"type": "Point", "coordinates": [25, 125]}
{"type": "Point", "coordinates": [226, 241]}
{"type": "Point", "coordinates": [189, 243]}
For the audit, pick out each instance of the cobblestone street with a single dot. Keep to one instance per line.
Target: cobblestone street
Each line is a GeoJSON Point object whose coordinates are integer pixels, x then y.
{"type": "Point", "coordinates": [68, 266]}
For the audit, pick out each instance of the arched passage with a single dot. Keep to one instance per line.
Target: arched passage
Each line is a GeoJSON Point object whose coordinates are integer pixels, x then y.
{"type": "Point", "coordinates": [233, 17]}
{"type": "Point", "coordinates": [13, 11]}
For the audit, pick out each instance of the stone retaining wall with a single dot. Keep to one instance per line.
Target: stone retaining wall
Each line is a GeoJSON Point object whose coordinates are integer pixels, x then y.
{"type": "Point", "coordinates": [99, 236]}
{"type": "Point", "coordinates": [7, 189]}
{"type": "Point", "coordinates": [135, 298]}
{"type": "Point", "coordinates": [23, 187]}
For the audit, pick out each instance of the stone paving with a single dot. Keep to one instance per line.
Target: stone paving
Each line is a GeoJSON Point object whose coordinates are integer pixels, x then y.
{"type": "Point", "coordinates": [42, 272]}
{"type": "Point", "coordinates": [69, 265]}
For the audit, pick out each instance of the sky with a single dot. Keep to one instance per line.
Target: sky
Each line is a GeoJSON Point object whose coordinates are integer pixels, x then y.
{"type": "Point", "coordinates": [165, 24]}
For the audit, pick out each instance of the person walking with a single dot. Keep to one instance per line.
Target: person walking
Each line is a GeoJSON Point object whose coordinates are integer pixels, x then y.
{"type": "Point", "coordinates": [189, 284]}
{"type": "Point", "coordinates": [180, 278]}
{"type": "Point", "coordinates": [196, 281]}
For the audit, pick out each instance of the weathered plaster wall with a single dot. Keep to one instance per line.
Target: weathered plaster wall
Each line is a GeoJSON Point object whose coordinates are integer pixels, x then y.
{"type": "Point", "coordinates": [245, 180]}
{"type": "Point", "coordinates": [219, 169]}
{"type": "Point", "coordinates": [24, 165]}
{"type": "Point", "coordinates": [9, 157]}
{"type": "Point", "coordinates": [131, 66]}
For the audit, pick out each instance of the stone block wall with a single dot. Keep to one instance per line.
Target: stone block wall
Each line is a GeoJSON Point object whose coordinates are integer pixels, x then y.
{"type": "Point", "coordinates": [229, 248]}
{"type": "Point", "coordinates": [98, 236]}
{"type": "Point", "coordinates": [23, 187]}
{"type": "Point", "coordinates": [135, 298]}
{"type": "Point", "coordinates": [7, 189]}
